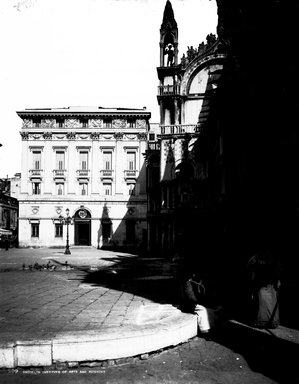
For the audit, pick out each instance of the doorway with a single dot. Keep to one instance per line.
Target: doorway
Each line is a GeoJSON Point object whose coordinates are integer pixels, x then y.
{"type": "Point", "coordinates": [82, 222]}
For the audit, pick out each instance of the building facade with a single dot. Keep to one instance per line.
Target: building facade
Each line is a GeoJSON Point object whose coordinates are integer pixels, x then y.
{"type": "Point", "coordinates": [179, 201]}
{"type": "Point", "coordinates": [90, 161]}
{"type": "Point", "coordinates": [8, 215]}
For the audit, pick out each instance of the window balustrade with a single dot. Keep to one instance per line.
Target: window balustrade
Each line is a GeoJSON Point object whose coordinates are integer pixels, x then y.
{"type": "Point", "coordinates": [165, 90]}
{"type": "Point", "coordinates": [174, 129]}
{"type": "Point", "coordinates": [106, 173]}
{"type": "Point", "coordinates": [35, 173]}
{"type": "Point", "coordinates": [131, 173]}
{"type": "Point", "coordinates": [59, 173]}
{"type": "Point", "coordinates": [83, 173]}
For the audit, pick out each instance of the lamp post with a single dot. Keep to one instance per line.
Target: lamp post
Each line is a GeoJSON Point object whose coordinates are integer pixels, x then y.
{"type": "Point", "coordinates": [66, 221]}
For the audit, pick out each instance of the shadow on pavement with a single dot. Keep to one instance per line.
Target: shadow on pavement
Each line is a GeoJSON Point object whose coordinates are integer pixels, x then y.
{"type": "Point", "coordinates": [150, 278]}
{"type": "Point", "coordinates": [154, 279]}
{"type": "Point", "coordinates": [264, 352]}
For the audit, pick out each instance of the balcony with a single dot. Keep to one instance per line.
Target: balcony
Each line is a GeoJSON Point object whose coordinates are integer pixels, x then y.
{"type": "Point", "coordinates": [168, 90]}
{"type": "Point", "coordinates": [131, 174]}
{"type": "Point", "coordinates": [35, 174]}
{"type": "Point", "coordinates": [106, 174]}
{"type": "Point", "coordinates": [59, 174]}
{"type": "Point", "coordinates": [178, 129]}
{"type": "Point", "coordinates": [83, 174]}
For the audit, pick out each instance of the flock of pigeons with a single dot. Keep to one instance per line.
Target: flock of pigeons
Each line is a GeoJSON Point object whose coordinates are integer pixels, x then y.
{"type": "Point", "coordinates": [45, 267]}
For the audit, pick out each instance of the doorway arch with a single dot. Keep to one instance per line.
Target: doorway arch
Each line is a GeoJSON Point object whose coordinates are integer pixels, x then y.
{"type": "Point", "coordinates": [82, 223]}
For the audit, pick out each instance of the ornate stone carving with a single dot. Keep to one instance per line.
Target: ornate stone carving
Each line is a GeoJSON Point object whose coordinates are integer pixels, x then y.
{"type": "Point", "coordinates": [119, 123]}
{"type": "Point", "coordinates": [27, 123]}
{"type": "Point", "coordinates": [131, 137]}
{"type": "Point", "coordinates": [131, 211]}
{"type": "Point", "coordinates": [47, 135]}
{"type": "Point", "coordinates": [71, 135]}
{"type": "Point", "coordinates": [142, 136]}
{"type": "Point", "coordinates": [96, 123]}
{"type": "Point", "coordinates": [60, 137]}
{"type": "Point", "coordinates": [140, 123]}
{"type": "Point", "coordinates": [107, 137]}
{"type": "Point", "coordinates": [48, 123]}
{"type": "Point", "coordinates": [118, 135]}
{"type": "Point", "coordinates": [24, 135]}
{"type": "Point", "coordinates": [36, 137]}
{"type": "Point", "coordinates": [58, 210]}
{"type": "Point", "coordinates": [84, 137]}
{"type": "Point", "coordinates": [95, 136]}
{"type": "Point", "coordinates": [35, 210]}
{"type": "Point", "coordinates": [71, 123]}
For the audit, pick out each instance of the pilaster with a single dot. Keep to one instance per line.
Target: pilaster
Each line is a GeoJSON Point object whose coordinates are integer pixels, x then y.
{"type": "Point", "coordinates": [72, 167]}
{"type": "Point", "coordinates": [48, 168]}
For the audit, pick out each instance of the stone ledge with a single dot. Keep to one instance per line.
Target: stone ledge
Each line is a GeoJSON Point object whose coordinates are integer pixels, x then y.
{"type": "Point", "coordinates": [97, 345]}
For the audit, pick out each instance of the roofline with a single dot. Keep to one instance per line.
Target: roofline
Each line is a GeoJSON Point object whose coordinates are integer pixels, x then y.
{"type": "Point", "coordinates": [100, 113]}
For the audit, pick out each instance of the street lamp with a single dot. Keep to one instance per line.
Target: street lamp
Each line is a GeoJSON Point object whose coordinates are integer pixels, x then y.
{"type": "Point", "coordinates": [66, 221]}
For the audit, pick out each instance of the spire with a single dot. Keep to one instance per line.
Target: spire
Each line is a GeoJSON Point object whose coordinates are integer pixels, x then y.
{"type": "Point", "coordinates": [168, 38]}
{"type": "Point", "coordinates": [168, 17]}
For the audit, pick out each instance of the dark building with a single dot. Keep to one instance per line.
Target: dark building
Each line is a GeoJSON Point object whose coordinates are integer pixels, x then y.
{"type": "Point", "coordinates": [228, 184]}
{"type": "Point", "coordinates": [178, 192]}
{"type": "Point", "coordinates": [9, 208]}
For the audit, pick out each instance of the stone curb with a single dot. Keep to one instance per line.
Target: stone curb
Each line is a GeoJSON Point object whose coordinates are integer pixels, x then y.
{"type": "Point", "coordinates": [114, 343]}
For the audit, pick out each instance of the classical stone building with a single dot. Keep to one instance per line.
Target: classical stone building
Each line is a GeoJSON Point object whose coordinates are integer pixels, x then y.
{"type": "Point", "coordinates": [177, 195]}
{"type": "Point", "coordinates": [87, 160]}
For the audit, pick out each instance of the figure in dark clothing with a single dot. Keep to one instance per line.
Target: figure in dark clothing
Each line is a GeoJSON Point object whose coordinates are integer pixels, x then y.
{"type": "Point", "coordinates": [265, 284]}
{"type": "Point", "coordinates": [200, 302]}
{"type": "Point", "coordinates": [169, 50]}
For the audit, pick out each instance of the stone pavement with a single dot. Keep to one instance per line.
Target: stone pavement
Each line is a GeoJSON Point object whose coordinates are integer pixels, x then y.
{"type": "Point", "coordinates": [98, 306]}
{"type": "Point", "coordinates": [95, 305]}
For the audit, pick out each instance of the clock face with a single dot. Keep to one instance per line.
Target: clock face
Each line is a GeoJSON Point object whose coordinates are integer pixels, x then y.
{"type": "Point", "coordinates": [82, 213]}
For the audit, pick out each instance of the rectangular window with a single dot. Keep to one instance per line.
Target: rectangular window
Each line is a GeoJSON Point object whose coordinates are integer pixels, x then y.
{"type": "Point", "coordinates": [36, 157]}
{"type": "Point", "coordinates": [108, 123]}
{"type": "Point", "coordinates": [60, 160]}
{"type": "Point", "coordinates": [37, 122]}
{"type": "Point", "coordinates": [107, 189]}
{"type": "Point", "coordinates": [131, 189]}
{"type": "Point", "coordinates": [83, 189]}
{"type": "Point", "coordinates": [60, 122]}
{"type": "Point", "coordinates": [132, 123]}
{"type": "Point", "coordinates": [152, 137]}
{"type": "Point", "coordinates": [60, 189]}
{"type": "Point", "coordinates": [107, 160]}
{"type": "Point", "coordinates": [84, 123]}
{"type": "Point", "coordinates": [130, 231]}
{"type": "Point", "coordinates": [58, 230]}
{"type": "Point", "coordinates": [131, 159]}
{"type": "Point", "coordinates": [83, 161]}
{"type": "Point", "coordinates": [34, 230]}
{"type": "Point", "coordinates": [36, 188]}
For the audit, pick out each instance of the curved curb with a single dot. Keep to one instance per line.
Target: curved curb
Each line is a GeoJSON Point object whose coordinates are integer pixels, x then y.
{"type": "Point", "coordinates": [98, 345]}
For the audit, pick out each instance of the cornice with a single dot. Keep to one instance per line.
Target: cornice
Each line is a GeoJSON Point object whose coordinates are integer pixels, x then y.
{"type": "Point", "coordinates": [52, 114]}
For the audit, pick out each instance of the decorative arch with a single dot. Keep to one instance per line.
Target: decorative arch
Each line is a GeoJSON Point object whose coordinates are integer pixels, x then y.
{"type": "Point", "coordinates": [82, 224]}
{"type": "Point", "coordinates": [196, 66]}
{"type": "Point", "coordinates": [82, 213]}
{"type": "Point", "coordinates": [185, 170]}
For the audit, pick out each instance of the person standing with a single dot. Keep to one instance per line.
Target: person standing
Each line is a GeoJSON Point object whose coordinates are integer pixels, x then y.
{"type": "Point", "coordinates": [265, 284]}
{"type": "Point", "coordinates": [200, 302]}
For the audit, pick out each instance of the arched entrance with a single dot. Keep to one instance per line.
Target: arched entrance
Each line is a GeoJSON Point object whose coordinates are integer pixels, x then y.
{"type": "Point", "coordinates": [82, 223]}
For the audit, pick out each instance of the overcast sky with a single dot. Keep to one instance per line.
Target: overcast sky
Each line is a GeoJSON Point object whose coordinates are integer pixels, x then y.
{"type": "Point", "coordinates": [60, 53]}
